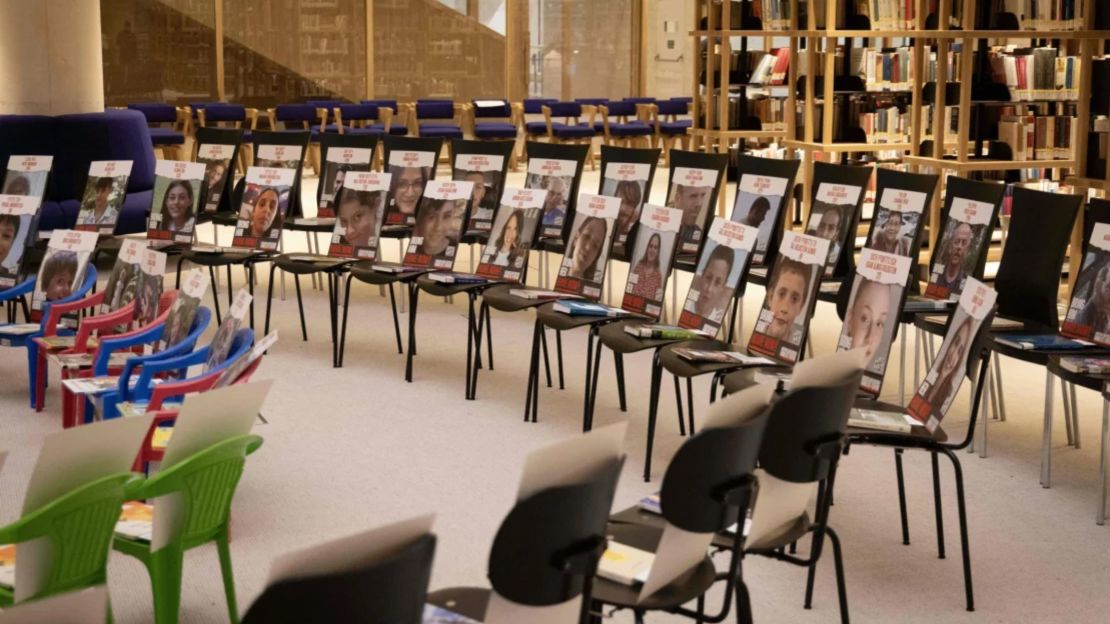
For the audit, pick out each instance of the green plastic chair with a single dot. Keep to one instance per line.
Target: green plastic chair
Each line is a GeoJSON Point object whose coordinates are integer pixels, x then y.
{"type": "Point", "coordinates": [206, 483]}
{"type": "Point", "coordinates": [80, 526]}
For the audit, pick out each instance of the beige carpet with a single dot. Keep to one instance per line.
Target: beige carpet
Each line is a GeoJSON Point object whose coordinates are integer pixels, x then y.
{"type": "Point", "coordinates": [351, 448]}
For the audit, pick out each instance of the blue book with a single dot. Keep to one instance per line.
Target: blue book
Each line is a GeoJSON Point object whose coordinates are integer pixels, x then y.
{"type": "Point", "coordinates": [1041, 342]}
{"type": "Point", "coordinates": [586, 308]}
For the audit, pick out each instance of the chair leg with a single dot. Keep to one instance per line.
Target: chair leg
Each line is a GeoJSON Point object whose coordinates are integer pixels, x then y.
{"type": "Point", "coordinates": [392, 305]}
{"type": "Point", "coordinates": [546, 360]}
{"type": "Point", "coordinates": [489, 336]}
{"type": "Point", "coordinates": [533, 372]}
{"type": "Point", "coordinates": [1074, 415]}
{"type": "Point", "coordinates": [998, 384]}
{"type": "Point", "coordinates": [937, 505]}
{"type": "Point", "coordinates": [678, 405]}
{"type": "Point", "coordinates": [559, 358]}
{"type": "Point", "coordinates": [962, 507]}
{"type": "Point", "coordinates": [229, 577]}
{"type": "Point", "coordinates": [269, 299]}
{"type": "Point", "coordinates": [618, 363]}
{"type": "Point", "coordinates": [590, 374]}
{"type": "Point", "coordinates": [838, 562]}
{"type": "Point", "coordinates": [343, 331]}
{"type": "Point", "coordinates": [165, 580]}
{"type": "Point", "coordinates": [902, 497]}
{"type": "Point", "coordinates": [653, 410]}
{"type": "Point", "coordinates": [1100, 514]}
{"type": "Point", "coordinates": [690, 402]}
{"type": "Point", "coordinates": [216, 293]}
{"type": "Point", "coordinates": [1046, 440]}
{"type": "Point", "coordinates": [300, 306]}
{"type": "Point", "coordinates": [593, 384]}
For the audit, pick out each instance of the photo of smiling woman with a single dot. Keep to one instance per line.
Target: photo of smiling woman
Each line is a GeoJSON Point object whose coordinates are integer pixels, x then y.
{"type": "Point", "coordinates": [439, 225]}
{"type": "Point", "coordinates": [359, 215]}
{"type": "Point", "coordinates": [405, 190]}
{"type": "Point", "coordinates": [177, 207]}
{"type": "Point", "coordinates": [586, 249]}
{"type": "Point", "coordinates": [510, 250]}
{"type": "Point", "coordinates": [952, 366]}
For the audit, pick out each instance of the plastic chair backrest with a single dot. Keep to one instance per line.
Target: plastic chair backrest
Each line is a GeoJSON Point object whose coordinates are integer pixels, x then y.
{"type": "Point", "coordinates": [549, 544]}
{"type": "Point", "coordinates": [393, 590]}
{"type": "Point", "coordinates": [706, 468]}
{"type": "Point", "coordinates": [800, 420]}
{"type": "Point", "coordinates": [80, 293]}
{"type": "Point", "coordinates": [206, 483]}
{"type": "Point", "coordinates": [1028, 280]}
{"type": "Point", "coordinates": [79, 527]}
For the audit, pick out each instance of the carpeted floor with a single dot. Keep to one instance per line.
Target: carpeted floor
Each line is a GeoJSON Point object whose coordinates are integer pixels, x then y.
{"type": "Point", "coordinates": [356, 447]}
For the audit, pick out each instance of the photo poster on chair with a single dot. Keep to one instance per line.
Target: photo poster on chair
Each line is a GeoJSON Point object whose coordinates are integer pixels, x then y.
{"type": "Point", "coordinates": [360, 211]}
{"type": "Point", "coordinates": [220, 346]}
{"type": "Point", "coordinates": [105, 188]}
{"type": "Point", "coordinates": [123, 281]}
{"type": "Point", "coordinates": [439, 225]}
{"type": "Point", "coordinates": [783, 321]}
{"type": "Point", "coordinates": [518, 219]}
{"type": "Point", "coordinates": [627, 181]}
{"type": "Point", "coordinates": [263, 209]}
{"type": "Point", "coordinates": [64, 265]}
{"type": "Point", "coordinates": [691, 192]}
{"type": "Point", "coordinates": [410, 172]}
{"type": "Point", "coordinates": [18, 215]}
{"type": "Point", "coordinates": [555, 176]}
{"type": "Point", "coordinates": [27, 175]}
{"type": "Point", "coordinates": [485, 171]}
{"type": "Point", "coordinates": [148, 290]}
{"type": "Point", "coordinates": [831, 217]}
{"type": "Point", "coordinates": [1088, 316]}
{"type": "Point", "coordinates": [177, 188]}
{"type": "Point", "coordinates": [874, 308]}
{"type": "Point", "coordinates": [216, 159]}
{"type": "Point", "coordinates": [724, 259]}
{"type": "Point", "coordinates": [935, 394]}
{"type": "Point", "coordinates": [959, 247]}
{"type": "Point", "coordinates": [236, 370]}
{"type": "Point", "coordinates": [759, 200]}
{"type": "Point", "coordinates": [651, 259]}
{"type": "Point", "coordinates": [339, 162]}
{"type": "Point", "coordinates": [278, 156]}
{"type": "Point", "coordinates": [184, 308]}
{"type": "Point", "coordinates": [582, 271]}
{"type": "Point", "coordinates": [897, 221]}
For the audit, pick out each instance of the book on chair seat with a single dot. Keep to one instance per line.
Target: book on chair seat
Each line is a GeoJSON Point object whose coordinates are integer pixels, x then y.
{"type": "Point", "coordinates": [625, 564]}
{"type": "Point", "coordinates": [456, 278]}
{"type": "Point", "coordinates": [1086, 365]}
{"type": "Point", "coordinates": [722, 357]}
{"type": "Point", "coordinates": [587, 308]}
{"type": "Point", "coordinates": [438, 615]}
{"type": "Point", "coordinates": [664, 332]}
{"type": "Point", "coordinates": [879, 420]}
{"type": "Point", "coordinates": [1041, 342]}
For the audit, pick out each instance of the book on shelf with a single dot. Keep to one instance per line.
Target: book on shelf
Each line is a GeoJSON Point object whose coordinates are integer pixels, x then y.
{"type": "Point", "coordinates": [624, 564]}
{"type": "Point", "coordinates": [1041, 342]}
{"type": "Point", "coordinates": [879, 420]}
{"type": "Point", "coordinates": [722, 357]}
{"type": "Point", "coordinates": [457, 278]}
{"type": "Point", "coordinates": [664, 332]}
{"type": "Point", "coordinates": [136, 521]}
{"type": "Point", "coordinates": [1086, 365]}
{"type": "Point", "coordinates": [587, 308]}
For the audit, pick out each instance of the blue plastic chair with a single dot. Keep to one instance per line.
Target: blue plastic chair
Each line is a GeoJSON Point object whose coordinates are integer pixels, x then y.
{"type": "Point", "coordinates": [26, 340]}
{"type": "Point", "coordinates": [140, 391]}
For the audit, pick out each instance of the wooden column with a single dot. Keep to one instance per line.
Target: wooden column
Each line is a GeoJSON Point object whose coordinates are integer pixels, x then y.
{"type": "Point", "coordinates": [221, 91]}
{"type": "Point", "coordinates": [516, 49]}
{"type": "Point", "coordinates": [370, 50]}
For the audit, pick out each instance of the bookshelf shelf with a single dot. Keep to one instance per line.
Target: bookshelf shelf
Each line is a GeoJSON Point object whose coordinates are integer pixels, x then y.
{"type": "Point", "coordinates": [737, 134]}
{"type": "Point", "coordinates": [1096, 35]}
{"type": "Point", "coordinates": [980, 164]}
{"type": "Point", "coordinates": [842, 148]}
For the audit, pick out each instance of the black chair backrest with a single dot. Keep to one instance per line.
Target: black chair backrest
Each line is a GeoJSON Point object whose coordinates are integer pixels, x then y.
{"type": "Point", "coordinates": [393, 590]}
{"type": "Point", "coordinates": [207, 135]}
{"type": "Point", "coordinates": [463, 152]}
{"type": "Point", "coordinates": [392, 143]}
{"type": "Point", "coordinates": [771, 167]}
{"type": "Point", "coordinates": [612, 156]}
{"type": "Point", "coordinates": [1096, 211]}
{"type": "Point", "coordinates": [697, 160]}
{"type": "Point", "coordinates": [849, 175]}
{"type": "Point", "coordinates": [329, 140]}
{"type": "Point", "coordinates": [699, 488]}
{"type": "Point", "coordinates": [957, 187]}
{"type": "Point", "coordinates": [800, 422]}
{"type": "Point", "coordinates": [1028, 280]}
{"type": "Point", "coordinates": [560, 151]}
{"type": "Point", "coordinates": [296, 139]}
{"type": "Point", "coordinates": [549, 545]}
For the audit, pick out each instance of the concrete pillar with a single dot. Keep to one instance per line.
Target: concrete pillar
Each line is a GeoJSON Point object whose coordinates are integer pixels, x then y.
{"type": "Point", "coordinates": [50, 57]}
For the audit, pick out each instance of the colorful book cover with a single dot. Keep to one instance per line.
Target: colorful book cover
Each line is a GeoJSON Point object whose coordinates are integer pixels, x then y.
{"type": "Point", "coordinates": [27, 175]}
{"type": "Point", "coordinates": [628, 182]}
{"type": "Point", "coordinates": [1087, 365]}
{"type": "Point", "coordinates": [514, 229]}
{"type": "Point", "coordinates": [897, 217]}
{"type": "Point", "coordinates": [651, 259]}
{"type": "Point", "coordinates": [958, 249]}
{"type": "Point", "coordinates": [225, 335]}
{"type": "Point", "coordinates": [180, 319]}
{"type": "Point", "coordinates": [136, 521]}
{"type": "Point", "coordinates": [935, 394]}
{"type": "Point", "coordinates": [18, 214]}
{"type": "Point", "coordinates": [105, 189]}
{"type": "Point", "coordinates": [691, 191]}
{"type": "Point", "coordinates": [339, 162]}
{"type": "Point", "coordinates": [216, 159]}
{"type": "Point", "coordinates": [557, 178]}
{"type": "Point", "coordinates": [410, 172]}
{"type": "Point", "coordinates": [149, 286]}
{"type": "Point", "coordinates": [63, 267]}
{"type": "Point", "coordinates": [758, 201]}
{"type": "Point", "coordinates": [7, 565]}
{"type": "Point", "coordinates": [783, 321]}
{"type": "Point", "coordinates": [360, 213]}
{"type": "Point", "coordinates": [723, 260]}
{"type": "Point", "coordinates": [571, 307]}
{"type": "Point", "coordinates": [123, 281]}
{"type": "Point", "coordinates": [439, 225]}
{"type": "Point", "coordinates": [1088, 316]}
{"type": "Point", "coordinates": [591, 238]}
{"type": "Point", "coordinates": [874, 310]}
{"type": "Point", "coordinates": [177, 189]}
{"type": "Point", "coordinates": [484, 171]}
{"type": "Point", "coordinates": [834, 207]}
{"type": "Point", "coordinates": [265, 204]}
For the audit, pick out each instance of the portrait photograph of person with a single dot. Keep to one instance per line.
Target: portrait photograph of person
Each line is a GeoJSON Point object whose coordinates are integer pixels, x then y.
{"type": "Point", "coordinates": [63, 266]}
{"type": "Point", "coordinates": [264, 205]}
{"type": "Point", "coordinates": [587, 250]}
{"type": "Point", "coordinates": [175, 205]}
{"type": "Point", "coordinates": [786, 306]}
{"type": "Point", "coordinates": [715, 281]}
{"type": "Point", "coordinates": [180, 319]}
{"type": "Point", "coordinates": [337, 166]}
{"type": "Point", "coordinates": [101, 203]}
{"type": "Point", "coordinates": [27, 175]}
{"type": "Point", "coordinates": [631, 193]}
{"type": "Point", "coordinates": [360, 217]}
{"type": "Point", "coordinates": [893, 231]}
{"type": "Point", "coordinates": [510, 238]}
{"type": "Point", "coordinates": [830, 222]}
{"type": "Point", "coordinates": [870, 320]}
{"type": "Point", "coordinates": [124, 272]}
{"type": "Point", "coordinates": [483, 199]}
{"type": "Point", "coordinates": [693, 201]}
{"type": "Point", "coordinates": [758, 200]}
{"type": "Point", "coordinates": [439, 226]}
{"type": "Point", "coordinates": [406, 187]}
{"type": "Point", "coordinates": [149, 292]}
{"type": "Point", "coordinates": [947, 375]}
{"type": "Point", "coordinates": [555, 204]}
{"type": "Point", "coordinates": [215, 180]}
{"type": "Point", "coordinates": [957, 254]}
{"type": "Point", "coordinates": [265, 214]}
{"type": "Point", "coordinates": [1088, 316]}
{"type": "Point", "coordinates": [15, 230]}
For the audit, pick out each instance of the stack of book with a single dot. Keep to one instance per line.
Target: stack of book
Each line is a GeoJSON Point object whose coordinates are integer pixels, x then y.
{"type": "Point", "coordinates": [772, 68]}
{"type": "Point", "coordinates": [1086, 365]}
{"type": "Point", "coordinates": [664, 332]}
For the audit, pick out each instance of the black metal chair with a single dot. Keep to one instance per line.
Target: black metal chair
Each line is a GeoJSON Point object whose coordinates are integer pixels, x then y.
{"type": "Point", "coordinates": [484, 203]}
{"type": "Point", "coordinates": [546, 551]}
{"type": "Point", "coordinates": [392, 590]}
{"type": "Point", "coordinates": [398, 225]}
{"type": "Point", "coordinates": [553, 237]}
{"type": "Point", "coordinates": [709, 487]}
{"type": "Point", "coordinates": [206, 136]}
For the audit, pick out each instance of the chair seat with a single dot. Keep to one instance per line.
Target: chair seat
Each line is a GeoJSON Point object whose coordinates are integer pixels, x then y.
{"type": "Point", "coordinates": [494, 130]}
{"type": "Point", "coordinates": [675, 127]}
{"type": "Point", "coordinates": [572, 131]}
{"type": "Point", "coordinates": [917, 437]}
{"type": "Point", "coordinates": [299, 264]}
{"type": "Point", "coordinates": [332, 128]}
{"type": "Point", "coordinates": [470, 602]}
{"type": "Point", "coordinates": [439, 289]}
{"type": "Point", "coordinates": [374, 130]}
{"type": "Point", "coordinates": [447, 131]}
{"type": "Point", "coordinates": [166, 136]}
{"type": "Point", "coordinates": [632, 128]}
{"type": "Point", "coordinates": [679, 367]}
{"type": "Point", "coordinates": [364, 272]}
{"type": "Point", "coordinates": [499, 298]}
{"type": "Point", "coordinates": [535, 127]}
{"type": "Point", "coordinates": [562, 322]}
{"type": "Point", "coordinates": [685, 588]}
{"type": "Point", "coordinates": [620, 341]}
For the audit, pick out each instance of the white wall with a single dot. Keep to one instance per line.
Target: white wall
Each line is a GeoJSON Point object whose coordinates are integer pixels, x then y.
{"type": "Point", "coordinates": [670, 55]}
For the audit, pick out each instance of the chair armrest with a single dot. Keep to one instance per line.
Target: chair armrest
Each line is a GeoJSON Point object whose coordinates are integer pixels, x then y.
{"type": "Point", "coordinates": [643, 112]}
{"type": "Point", "coordinates": [338, 114]}
{"type": "Point", "coordinates": [252, 117]}
{"type": "Point", "coordinates": [151, 366]}
{"type": "Point", "coordinates": [458, 110]}
{"type": "Point", "coordinates": [271, 116]}
{"type": "Point", "coordinates": [517, 117]}
{"type": "Point", "coordinates": [104, 321]}
{"type": "Point", "coordinates": [604, 110]}
{"type": "Point", "coordinates": [55, 311]}
{"type": "Point", "coordinates": [133, 486]}
{"type": "Point", "coordinates": [546, 110]}
{"type": "Point", "coordinates": [140, 336]}
{"type": "Point", "coordinates": [385, 115]}
{"type": "Point", "coordinates": [23, 288]}
{"type": "Point", "coordinates": [322, 113]}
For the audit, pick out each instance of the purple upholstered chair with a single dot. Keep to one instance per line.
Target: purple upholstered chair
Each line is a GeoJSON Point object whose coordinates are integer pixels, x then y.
{"type": "Point", "coordinates": [298, 118]}
{"type": "Point", "coordinates": [497, 119]}
{"type": "Point", "coordinates": [390, 114]}
{"type": "Point", "coordinates": [619, 125]}
{"type": "Point", "coordinates": [363, 119]}
{"type": "Point", "coordinates": [33, 135]}
{"type": "Point", "coordinates": [436, 119]}
{"type": "Point", "coordinates": [535, 126]}
{"type": "Point", "coordinates": [168, 126]}
{"type": "Point", "coordinates": [667, 125]}
{"type": "Point", "coordinates": [571, 129]}
{"type": "Point", "coordinates": [327, 107]}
